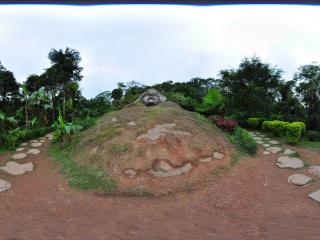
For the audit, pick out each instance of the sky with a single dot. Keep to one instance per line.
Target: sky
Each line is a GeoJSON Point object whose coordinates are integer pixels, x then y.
{"type": "Point", "coordinates": [156, 43]}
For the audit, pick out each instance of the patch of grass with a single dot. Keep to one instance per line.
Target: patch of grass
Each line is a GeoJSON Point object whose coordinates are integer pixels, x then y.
{"type": "Point", "coordinates": [188, 187]}
{"type": "Point", "coordinates": [236, 157]}
{"type": "Point", "coordinates": [219, 170]}
{"type": "Point", "coordinates": [138, 192]}
{"type": "Point", "coordinates": [80, 177]}
{"type": "Point", "coordinates": [108, 133]}
{"type": "Point", "coordinates": [243, 141]}
{"type": "Point", "coordinates": [118, 149]}
{"type": "Point", "coordinates": [3, 150]}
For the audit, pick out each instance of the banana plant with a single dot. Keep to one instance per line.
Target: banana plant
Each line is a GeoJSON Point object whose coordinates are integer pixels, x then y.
{"type": "Point", "coordinates": [63, 129]}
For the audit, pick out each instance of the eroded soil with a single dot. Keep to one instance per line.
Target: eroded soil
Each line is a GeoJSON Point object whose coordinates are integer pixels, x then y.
{"type": "Point", "coordinates": [252, 201]}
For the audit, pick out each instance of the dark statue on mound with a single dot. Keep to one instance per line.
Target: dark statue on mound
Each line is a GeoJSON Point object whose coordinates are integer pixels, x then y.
{"type": "Point", "coordinates": [151, 97]}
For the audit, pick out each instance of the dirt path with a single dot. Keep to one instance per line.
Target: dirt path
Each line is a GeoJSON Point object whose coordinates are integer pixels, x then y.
{"type": "Point", "coordinates": [253, 201]}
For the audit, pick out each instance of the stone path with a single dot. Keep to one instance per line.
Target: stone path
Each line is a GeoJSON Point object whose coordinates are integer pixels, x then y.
{"type": "Point", "coordinates": [287, 159]}
{"type": "Point", "coordinates": [14, 168]}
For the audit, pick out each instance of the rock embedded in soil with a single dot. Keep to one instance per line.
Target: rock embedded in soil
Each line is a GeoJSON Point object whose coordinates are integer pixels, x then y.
{"type": "Point", "coordinates": [288, 152]}
{"type": "Point", "coordinates": [14, 168]}
{"type": "Point", "coordinates": [34, 151]}
{"type": "Point", "coordinates": [315, 195]}
{"type": "Point", "coordinates": [19, 156]}
{"type": "Point", "coordinates": [20, 149]}
{"type": "Point", "coordinates": [114, 119]}
{"type": "Point", "coordinates": [273, 149]}
{"type": "Point", "coordinates": [257, 138]}
{"type": "Point", "coordinates": [4, 185]}
{"type": "Point", "coordinates": [274, 142]}
{"type": "Point", "coordinates": [315, 171]}
{"type": "Point", "coordinates": [217, 155]}
{"type": "Point", "coordinates": [288, 162]}
{"type": "Point", "coordinates": [205, 159]}
{"type": "Point", "coordinates": [266, 152]}
{"type": "Point", "coordinates": [37, 144]}
{"type": "Point", "coordinates": [299, 179]}
{"type": "Point", "coordinates": [130, 172]}
{"type": "Point", "coordinates": [42, 140]}
{"type": "Point", "coordinates": [34, 141]}
{"type": "Point", "coordinates": [23, 144]}
{"type": "Point", "coordinates": [171, 172]}
{"type": "Point", "coordinates": [132, 123]}
{"type": "Point", "coordinates": [266, 145]}
{"type": "Point", "coordinates": [259, 142]}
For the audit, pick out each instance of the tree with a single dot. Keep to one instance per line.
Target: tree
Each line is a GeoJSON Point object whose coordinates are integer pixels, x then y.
{"type": "Point", "coordinates": [34, 83]}
{"type": "Point", "coordinates": [66, 70]}
{"type": "Point", "coordinates": [252, 88]}
{"type": "Point", "coordinates": [308, 78]}
{"type": "Point", "coordinates": [9, 88]}
{"type": "Point", "coordinates": [117, 94]}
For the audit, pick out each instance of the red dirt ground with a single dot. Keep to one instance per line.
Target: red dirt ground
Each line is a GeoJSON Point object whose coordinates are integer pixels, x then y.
{"type": "Point", "coordinates": [252, 201]}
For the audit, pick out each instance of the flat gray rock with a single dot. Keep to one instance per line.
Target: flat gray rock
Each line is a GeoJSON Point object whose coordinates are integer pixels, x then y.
{"type": "Point", "coordinates": [19, 156]}
{"type": "Point", "coordinates": [266, 152]}
{"type": "Point", "coordinates": [217, 155]}
{"type": "Point", "coordinates": [20, 149]}
{"type": "Point", "coordinates": [274, 142]}
{"type": "Point", "coordinates": [42, 140]}
{"type": "Point", "coordinates": [288, 152]}
{"type": "Point", "coordinates": [132, 123]}
{"type": "Point", "coordinates": [315, 171]}
{"type": "Point", "coordinates": [315, 195]}
{"type": "Point", "coordinates": [266, 138]}
{"type": "Point", "coordinates": [170, 172]}
{"type": "Point", "coordinates": [33, 151]}
{"type": "Point", "coordinates": [266, 145]}
{"type": "Point", "coordinates": [130, 172]}
{"type": "Point", "coordinates": [205, 160]}
{"type": "Point", "coordinates": [288, 162]}
{"type": "Point", "coordinates": [259, 142]}
{"type": "Point", "coordinates": [4, 185]}
{"type": "Point", "coordinates": [273, 149]}
{"type": "Point", "coordinates": [114, 119]}
{"type": "Point", "coordinates": [257, 138]}
{"type": "Point", "coordinates": [23, 144]}
{"type": "Point", "coordinates": [14, 168]}
{"type": "Point", "coordinates": [37, 144]}
{"type": "Point", "coordinates": [299, 179]}
{"type": "Point", "coordinates": [34, 141]}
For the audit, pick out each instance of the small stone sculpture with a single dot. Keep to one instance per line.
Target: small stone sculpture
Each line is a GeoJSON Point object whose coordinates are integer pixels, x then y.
{"type": "Point", "coordinates": [152, 97]}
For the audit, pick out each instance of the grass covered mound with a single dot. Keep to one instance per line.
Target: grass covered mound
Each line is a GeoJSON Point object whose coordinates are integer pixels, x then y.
{"type": "Point", "coordinates": [148, 150]}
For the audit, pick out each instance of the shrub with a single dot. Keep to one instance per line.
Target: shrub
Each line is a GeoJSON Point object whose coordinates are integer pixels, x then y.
{"type": "Point", "coordinates": [303, 127]}
{"type": "Point", "coordinates": [243, 140]}
{"type": "Point", "coordinates": [255, 123]}
{"type": "Point", "coordinates": [294, 131]}
{"type": "Point", "coordinates": [86, 122]}
{"type": "Point", "coordinates": [278, 128]}
{"type": "Point", "coordinates": [313, 136]}
{"type": "Point", "coordinates": [214, 118]}
{"type": "Point", "coordinates": [185, 102]}
{"type": "Point", "coordinates": [228, 125]}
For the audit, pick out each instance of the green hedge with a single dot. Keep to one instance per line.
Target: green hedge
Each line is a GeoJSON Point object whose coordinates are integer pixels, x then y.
{"type": "Point", "coordinates": [278, 128]}
{"type": "Point", "coordinates": [293, 131]}
{"type": "Point", "coordinates": [255, 123]}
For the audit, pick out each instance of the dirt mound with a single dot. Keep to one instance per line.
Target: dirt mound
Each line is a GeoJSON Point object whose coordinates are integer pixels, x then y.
{"type": "Point", "coordinates": [156, 149]}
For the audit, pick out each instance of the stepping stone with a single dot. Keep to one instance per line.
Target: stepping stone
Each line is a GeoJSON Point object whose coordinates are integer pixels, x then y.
{"type": "Point", "coordinates": [23, 144]}
{"type": "Point", "coordinates": [131, 123]}
{"type": "Point", "coordinates": [4, 185]}
{"type": "Point", "coordinates": [49, 135]}
{"type": "Point", "coordinates": [266, 145]}
{"type": "Point", "coordinates": [259, 142]}
{"type": "Point", "coordinates": [273, 149]}
{"type": "Point", "coordinates": [42, 141]}
{"type": "Point", "coordinates": [315, 195]}
{"type": "Point", "coordinates": [266, 152]}
{"type": "Point", "coordinates": [257, 138]}
{"type": "Point", "coordinates": [20, 149]}
{"type": "Point", "coordinates": [33, 151]}
{"type": "Point", "coordinates": [315, 171]}
{"type": "Point", "coordinates": [299, 179]}
{"type": "Point", "coordinates": [205, 160]}
{"type": "Point", "coordinates": [19, 156]}
{"type": "Point", "coordinates": [34, 141]}
{"type": "Point", "coordinates": [288, 162]}
{"type": "Point", "coordinates": [267, 139]}
{"type": "Point", "coordinates": [114, 119]}
{"type": "Point", "coordinates": [37, 144]}
{"type": "Point", "coordinates": [217, 155]}
{"type": "Point", "coordinates": [288, 152]}
{"type": "Point", "coordinates": [274, 142]}
{"type": "Point", "coordinates": [130, 172]}
{"type": "Point", "coordinates": [14, 168]}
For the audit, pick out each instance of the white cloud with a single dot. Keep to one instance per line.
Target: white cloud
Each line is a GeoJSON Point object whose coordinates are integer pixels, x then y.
{"type": "Point", "coordinates": [153, 43]}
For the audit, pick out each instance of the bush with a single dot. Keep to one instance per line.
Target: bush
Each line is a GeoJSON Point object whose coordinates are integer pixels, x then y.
{"type": "Point", "coordinates": [294, 131]}
{"type": "Point", "coordinates": [313, 136]}
{"type": "Point", "coordinates": [277, 127]}
{"type": "Point", "coordinates": [86, 122]}
{"type": "Point", "coordinates": [255, 123]}
{"type": "Point", "coordinates": [214, 118]}
{"type": "Point", "coordinates": [228, 125]}
{"type": "Point", "coordinates": [303, 127]}
{"type": "Point", "coordinates": [243, 140]}
{"type": "Point", "coordinates": [185, 102]}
